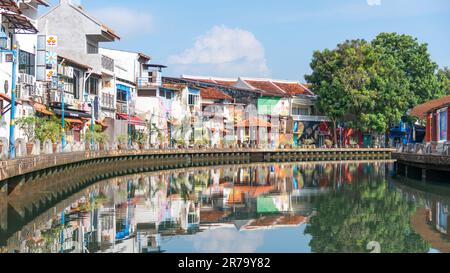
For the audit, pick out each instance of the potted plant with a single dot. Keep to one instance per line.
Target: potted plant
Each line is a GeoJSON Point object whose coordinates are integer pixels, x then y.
{"type": "Point", "coordinates": [141, 139]}
{"type": "Point", "coordinates": [27, 125]}
{"type": "Point", "coordinates": [328, 143]}
{"type": "Point", "coordinates": [102, 138]}
{"type": "Point", "coordinates": [48, 129]}
{"type": "Point", "coordinates": [122, 142]}
{"type": "Point", "coordinates": [98, 136]}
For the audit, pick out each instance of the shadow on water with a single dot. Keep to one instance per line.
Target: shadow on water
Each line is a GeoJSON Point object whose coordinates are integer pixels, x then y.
{"type": "Point", "coordinates": [291, 207]}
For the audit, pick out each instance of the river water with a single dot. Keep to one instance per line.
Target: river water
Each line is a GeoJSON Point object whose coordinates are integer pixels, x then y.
{"type": "Point", "coordinates": [287, 208]}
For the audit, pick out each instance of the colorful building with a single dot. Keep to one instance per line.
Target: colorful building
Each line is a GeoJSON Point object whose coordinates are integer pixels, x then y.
{"type": "Point", "coordinates": [437, 117]}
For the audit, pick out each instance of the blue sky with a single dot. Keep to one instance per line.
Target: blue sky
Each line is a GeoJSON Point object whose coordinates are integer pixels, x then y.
{"type": "Point", "coordinates": [263, 38]}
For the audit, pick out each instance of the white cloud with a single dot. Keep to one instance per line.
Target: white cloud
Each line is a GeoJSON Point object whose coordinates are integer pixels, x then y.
{"type": "Point", "coordinates": [374, 2]}
{"type": "Point", "coordinates": [223, 51]}
{"type": "Point", "coordinates": [126, 22]}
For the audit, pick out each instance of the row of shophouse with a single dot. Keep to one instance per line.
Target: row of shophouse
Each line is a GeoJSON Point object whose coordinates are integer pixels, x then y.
{"type": "Point", "coordinates": [122, 89]}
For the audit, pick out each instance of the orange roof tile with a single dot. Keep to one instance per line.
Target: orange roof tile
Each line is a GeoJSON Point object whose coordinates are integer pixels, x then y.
{"type": "Point", "coordinates": [227, 83]}
{"type": "Point", "coordinates": [422, 110]}
{"type": "Point", "coordinates": [293, 88]}
{"type": "Point", "coordinates": [214, 94]}
{"type": "Point", "coordinates": [265, 86]}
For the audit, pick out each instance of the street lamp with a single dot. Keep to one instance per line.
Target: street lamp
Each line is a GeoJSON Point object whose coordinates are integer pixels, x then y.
{"type": "Point", "coordinates": [13, 51]}
{"type": "Point", "coordinates": [63, 123]}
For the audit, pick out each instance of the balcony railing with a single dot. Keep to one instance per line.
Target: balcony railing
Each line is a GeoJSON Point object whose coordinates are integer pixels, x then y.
{"type": "Point", "coordinates": [148, 83]}
{"type": "Point", "coordinates": [107, 63]}
{"type": "Point", "coordinates": [310, 118]}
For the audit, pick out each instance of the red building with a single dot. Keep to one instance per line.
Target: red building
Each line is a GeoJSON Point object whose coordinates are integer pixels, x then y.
{"type": "Point", "coordinates": [437, 116]}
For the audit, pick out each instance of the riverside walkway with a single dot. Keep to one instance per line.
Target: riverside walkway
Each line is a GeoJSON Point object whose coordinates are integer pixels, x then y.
{"type": "Point", "coordinates": [58, 162]}
{"type": "Point", "coordinates": [423, 162]}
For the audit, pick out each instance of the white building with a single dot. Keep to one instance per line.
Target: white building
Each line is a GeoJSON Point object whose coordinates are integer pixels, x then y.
{"type": "Point", "coordinates": [18, 23]}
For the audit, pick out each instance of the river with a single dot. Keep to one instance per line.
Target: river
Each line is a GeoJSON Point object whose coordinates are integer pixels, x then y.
{"type": "Point", "coordinates": [265, 208]}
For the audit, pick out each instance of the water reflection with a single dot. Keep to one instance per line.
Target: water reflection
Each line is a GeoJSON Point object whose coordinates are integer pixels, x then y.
{"type": "Point", "coordinates": [266, 208]}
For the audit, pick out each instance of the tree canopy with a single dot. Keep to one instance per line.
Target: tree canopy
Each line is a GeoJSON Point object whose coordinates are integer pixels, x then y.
{"type": "Point", "coordinates": [347, 221]}
{"type": "Point", "coordinates": [371, 85]}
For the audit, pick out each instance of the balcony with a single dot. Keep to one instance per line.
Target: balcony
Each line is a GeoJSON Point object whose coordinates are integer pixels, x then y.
{"type": "Point", "coordinates": [148, 83]}
{"type": "Point", "coordinates": [107, 64]}
{"type": "Point", "coordinates": [310, 118]}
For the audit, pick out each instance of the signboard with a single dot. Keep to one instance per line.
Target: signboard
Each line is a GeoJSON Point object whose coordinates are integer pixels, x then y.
{"type": "Point", "coordinates": [52, 41]}
{"type": "Point", "coordinates": [50, 73]}
{"type": "Point", "coordinates": [51, 58]}
{"type": "Point", "coordinates": [9, 58]}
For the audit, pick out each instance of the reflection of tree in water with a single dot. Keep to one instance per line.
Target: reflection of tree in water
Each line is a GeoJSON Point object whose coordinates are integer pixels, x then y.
{"type": "Point", "coordinates": [367, 211]}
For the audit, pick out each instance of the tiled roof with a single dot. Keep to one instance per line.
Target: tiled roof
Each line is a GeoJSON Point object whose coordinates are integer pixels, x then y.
{"type": "Point", "coordinates": [228, 83]}
{"type": "Point", "coordinates": [293, 88]}
{"type": "Point", "coordinates": [422, 110]}
{"type": "Point", "coordinates": [214, 94]}
{"type": "Point", "coordinates": [212, 216]}
{"type": "Point", "coordinates": [213, 80]}
{"type": "Point", "coordinates": [266, 86]}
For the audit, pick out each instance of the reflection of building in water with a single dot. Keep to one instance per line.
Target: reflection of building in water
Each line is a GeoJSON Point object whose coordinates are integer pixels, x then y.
{"type": "Point", "coordinates": [430, 220]}
{"type": "Point", "coordinates": [438, 216]}
{"type": "Point", "coordinates": [138, 213]}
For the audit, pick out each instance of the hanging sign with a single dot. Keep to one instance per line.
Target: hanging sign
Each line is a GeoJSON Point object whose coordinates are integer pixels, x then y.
{"type": "Point", "coordinates": [50, 73]}
{"type": "Point", "coordinates": [9, 58]}
{"type": "Point", "coordinates": [51, 58]}
{"type": "Point", "coordinates": [52, 41]}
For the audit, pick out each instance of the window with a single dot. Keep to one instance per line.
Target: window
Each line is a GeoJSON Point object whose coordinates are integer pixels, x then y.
{"type": "Point", "coordinates": [147, 93]}
{"type": "Point", "coordinates": [92, 48]}
{"type": "Point", "coordinates": [26, 63]}
{"type": "Point", "coordinates": [193, 99]}
{"type": "Point", "coordinates": [442, 125]}
{"type": "Point", "coordinates": [92, 86]}
{"type": "Point", "coordinates": [165, 94]}
{"type": "Point", "coordinates": [76, 85]}
{"type": "Point", "coordinates": [300, 111]}
{"type": "Point", "coordinates": [121, 95]}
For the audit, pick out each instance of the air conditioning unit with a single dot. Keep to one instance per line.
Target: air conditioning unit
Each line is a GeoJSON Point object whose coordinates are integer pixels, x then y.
{"type": "Point", "coordinates": [26, 79]}
{"type": "Point", "coordinates": [55, 97]}
{"type": "Point", "coordinates": [69, 99]}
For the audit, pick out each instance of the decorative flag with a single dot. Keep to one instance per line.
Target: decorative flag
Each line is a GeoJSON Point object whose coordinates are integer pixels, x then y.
{"type": "Point", "coordinates": [51, 58]}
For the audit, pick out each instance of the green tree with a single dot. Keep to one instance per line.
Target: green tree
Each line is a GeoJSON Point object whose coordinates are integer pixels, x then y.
{"type": "Point", "coordinates": [341, 78]}
{"type": "Point", "coordinates": [444, 78]}
{"type": "Point", "coordinates": [367, 211]}
{"type": "Point", "coordinates": [358, 85]}
{"type": "Point", "coordinates": [414, 60]}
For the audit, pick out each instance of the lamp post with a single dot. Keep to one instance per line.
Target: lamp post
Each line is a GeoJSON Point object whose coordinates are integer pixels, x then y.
{"type": "Point", "coordinates": [91, 102]}
{"type": "Point", "coordinates": [63, 122]}
{"type": "Point", "coordinates": [170, 129]}
{"type": "Point", "coordinates": [130, 141]}
{"type": "Point", "coordinates": [13, 51]}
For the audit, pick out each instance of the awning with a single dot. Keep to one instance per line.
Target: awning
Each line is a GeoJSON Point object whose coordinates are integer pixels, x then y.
{"type": "Point", "coordinates": [20, 23]}
{"type": "Point", "coordinates": [38, 107]}
{"type": "Point", "coordinates": [101, 123]}
{"type": "Point", "coordinates": [134, 120]}
{"type": "Point", "coordinates": [254, 121]}
{"type": "Point", "coordinates": [8, 98]}
{"type": "Point", "coordinates": [73, 120]}
{"type": "Point", "coordinates": [72, 113]}
{"type": "Point", "coordinates": [9, 5]}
